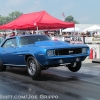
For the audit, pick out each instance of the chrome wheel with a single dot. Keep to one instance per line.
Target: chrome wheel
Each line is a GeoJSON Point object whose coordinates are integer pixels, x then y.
{"type": "Point", "coordinates": [32, 67]}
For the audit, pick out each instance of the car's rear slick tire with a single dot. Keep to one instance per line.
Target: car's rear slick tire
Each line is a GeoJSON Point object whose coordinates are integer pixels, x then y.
{"type": "Point", "coordinates": [74, 67]}
{"type": "Point", "coordinates": [2, 67]}
{"type": "Point", "coordinates": [33, 68]}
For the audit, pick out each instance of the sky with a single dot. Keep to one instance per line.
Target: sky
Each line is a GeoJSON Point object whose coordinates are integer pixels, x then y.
{"type": "Point", "coordinates": [83, 11]}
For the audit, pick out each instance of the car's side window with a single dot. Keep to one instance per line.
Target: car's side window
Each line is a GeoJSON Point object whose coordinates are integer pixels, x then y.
{"type": "Point", "coordinates": [26, 40]}
{"type": "Point", "coordinates": [10, 43]}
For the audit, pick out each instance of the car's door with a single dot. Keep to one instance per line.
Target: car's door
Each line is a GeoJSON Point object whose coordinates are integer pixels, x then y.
{"type": "Point", "coordinates": [9, 51]}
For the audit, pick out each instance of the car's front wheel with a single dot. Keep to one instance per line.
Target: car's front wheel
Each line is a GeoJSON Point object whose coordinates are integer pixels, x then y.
{"type": "Point", "coordinates": [33, 67]}
{"type": "Point", "coordinates": [74, 67]}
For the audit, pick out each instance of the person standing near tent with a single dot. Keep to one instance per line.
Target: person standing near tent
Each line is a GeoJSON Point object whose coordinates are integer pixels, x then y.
{"type": "Point", "coordinates": [12, 34]}
{"type": "Point", "coordinates": [46, 33]}
{"type": "Point", "coordinates": [95, 34]}
{"type": "Point", "coordinates": [88, 33]}
{"type": "Point", "coordinates": [4, 35]}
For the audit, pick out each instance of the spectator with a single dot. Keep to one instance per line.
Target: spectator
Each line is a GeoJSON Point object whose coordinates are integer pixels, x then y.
{"type": "Point", "coordinates": [34, 32]}
{"type": "Point", "coordinates": [46, 33]}
{"type": "Point", "coordinates": [95, 34]}
{"type": "Point", "coordinates": [23, 33]}
{"type": "Point", "coordinates": [13, 34]}
{"type": "Point", "coordinates": [88, 33]}
{"type": "Point", "coordinates": [4, 35]}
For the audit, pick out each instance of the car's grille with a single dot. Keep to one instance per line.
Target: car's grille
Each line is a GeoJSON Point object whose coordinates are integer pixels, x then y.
{"type": "Point", "coordinates": [68, 51]}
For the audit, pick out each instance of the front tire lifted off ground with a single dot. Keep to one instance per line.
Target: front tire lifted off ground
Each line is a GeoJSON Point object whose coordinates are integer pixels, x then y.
{"type": "Point", "coordinates": [74, 67]}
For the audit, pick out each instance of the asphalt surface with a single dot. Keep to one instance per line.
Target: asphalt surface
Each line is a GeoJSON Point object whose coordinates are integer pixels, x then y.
{"type": "Point", "coordinates": [54, 84]}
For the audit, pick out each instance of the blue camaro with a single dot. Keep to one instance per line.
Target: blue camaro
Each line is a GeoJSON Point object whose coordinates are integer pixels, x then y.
{"type": "Point", "coordinates": [39, 52]}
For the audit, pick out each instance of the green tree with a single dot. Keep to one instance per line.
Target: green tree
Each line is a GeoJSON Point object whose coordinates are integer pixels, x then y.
{"type": "Point", "coordinates": [70, 19]}
{"type": "Point", "coordinates": [14, 15]}
{"type": "Point", "coordinates": [10, 17]}
{"type": "Point", "coordinates": [2, 20]}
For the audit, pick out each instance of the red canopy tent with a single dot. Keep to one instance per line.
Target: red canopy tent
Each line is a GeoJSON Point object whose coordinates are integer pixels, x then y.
{"type": "Point", "coordinates": [36, 20]}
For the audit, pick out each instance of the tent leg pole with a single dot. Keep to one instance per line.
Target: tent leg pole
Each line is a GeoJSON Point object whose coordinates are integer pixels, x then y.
{"type": "Point", "coordinates": [15, 32]}
{"type": "Point", "coordinates": [74, 34]}
{"type": "Point", "coordinates": [60, 32]}
{"type": "Point", "coordinates": [37, 29]}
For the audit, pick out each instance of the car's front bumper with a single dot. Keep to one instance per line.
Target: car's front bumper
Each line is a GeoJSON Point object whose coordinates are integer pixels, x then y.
{"type": "Point", "coordinates": [62, 60]}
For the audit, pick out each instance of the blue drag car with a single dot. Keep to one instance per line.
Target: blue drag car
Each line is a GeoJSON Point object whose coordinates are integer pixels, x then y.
{"type": "Point", "coordinates": [39, 52]}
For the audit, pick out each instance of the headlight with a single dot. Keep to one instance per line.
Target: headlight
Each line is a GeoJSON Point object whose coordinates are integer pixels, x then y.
{"type": "Point", "coordinates": [51, 52]}
{"type": "Point", "coordinates": [84, 50]}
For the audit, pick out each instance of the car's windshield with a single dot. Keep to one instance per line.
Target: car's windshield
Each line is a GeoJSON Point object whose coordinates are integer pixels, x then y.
{"type": "Point", "coordinates": [32, 39]}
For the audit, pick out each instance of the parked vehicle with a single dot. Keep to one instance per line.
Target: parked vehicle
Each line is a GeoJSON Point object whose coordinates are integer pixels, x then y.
{"type": "Point", "coordinates": [39, 52]}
